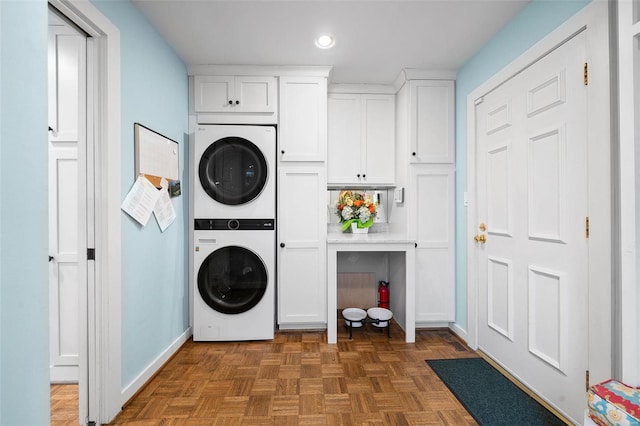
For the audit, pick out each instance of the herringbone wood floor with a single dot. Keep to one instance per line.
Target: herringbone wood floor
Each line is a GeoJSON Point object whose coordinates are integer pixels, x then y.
{"type": "Point", "coordinates": [299, 379]}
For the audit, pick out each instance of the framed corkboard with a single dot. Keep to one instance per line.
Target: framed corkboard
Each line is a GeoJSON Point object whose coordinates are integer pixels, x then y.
{"type": "Point", "coordinates": [156, 156]}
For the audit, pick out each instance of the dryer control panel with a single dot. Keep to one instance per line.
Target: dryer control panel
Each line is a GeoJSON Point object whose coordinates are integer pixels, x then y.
{"type": "Point", "coordinates": [234, 224]}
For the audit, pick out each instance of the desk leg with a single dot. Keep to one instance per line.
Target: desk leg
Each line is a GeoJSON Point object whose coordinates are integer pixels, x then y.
{"type": "Point", "coordinates": [332, 296]}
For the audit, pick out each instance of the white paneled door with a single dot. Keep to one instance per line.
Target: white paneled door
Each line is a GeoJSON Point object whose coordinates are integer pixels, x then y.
{"type": "Point", "coordinates": [531, 226]}
{"type": "Point", "coordinates": [67, 59]}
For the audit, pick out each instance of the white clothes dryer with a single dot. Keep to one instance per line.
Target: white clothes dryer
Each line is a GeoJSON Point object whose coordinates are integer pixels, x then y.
{"type": "Point", "coordinates": [234, 279]}
{"type": "Point", "coordinates": [234, 172]}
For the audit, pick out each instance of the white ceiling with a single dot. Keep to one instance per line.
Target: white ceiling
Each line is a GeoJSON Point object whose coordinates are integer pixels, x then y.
{"type": "Point", "coordinates": [374, 39]}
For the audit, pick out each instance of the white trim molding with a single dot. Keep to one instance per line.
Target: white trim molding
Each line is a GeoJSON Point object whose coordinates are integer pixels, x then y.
{"type": "Point", "coordinates": [628, 300]}
{"type": "Point", "coordinates": [147, 374]}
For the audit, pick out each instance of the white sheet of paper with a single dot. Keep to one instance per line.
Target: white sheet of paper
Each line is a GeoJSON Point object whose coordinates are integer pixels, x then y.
{"type": "Point", "coordinates": [163, 211]}
{"type": "Point", "coordinates": [141, 200]}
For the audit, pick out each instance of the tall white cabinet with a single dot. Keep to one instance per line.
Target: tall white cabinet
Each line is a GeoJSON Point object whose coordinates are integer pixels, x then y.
{"type": "Point", "coordinates": [302, 212]}
{"type": "Point", "coordinates": [425, 167]}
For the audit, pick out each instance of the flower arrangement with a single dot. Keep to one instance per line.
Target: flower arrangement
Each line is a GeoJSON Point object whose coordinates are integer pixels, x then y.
{"type": "Point", "coordinates": [354, 207]}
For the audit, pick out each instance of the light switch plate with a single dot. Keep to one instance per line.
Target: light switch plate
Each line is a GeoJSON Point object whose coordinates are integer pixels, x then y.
{"type": "Point", "coordinates": [398, 195]}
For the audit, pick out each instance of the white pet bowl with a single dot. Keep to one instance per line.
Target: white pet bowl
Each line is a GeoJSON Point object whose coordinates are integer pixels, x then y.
{"type": "Point", "coordinates": [381, 314]}
{"type": "Point", "coordinates": [354, 317]}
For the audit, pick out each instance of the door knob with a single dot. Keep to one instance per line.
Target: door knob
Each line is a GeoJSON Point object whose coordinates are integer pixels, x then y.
{"type": "Point", "coordinates": [282, 245]}
{"type": "Point", "coordinates": [482, 227]}
{"type": "Point", "coordinates": [480, 238]}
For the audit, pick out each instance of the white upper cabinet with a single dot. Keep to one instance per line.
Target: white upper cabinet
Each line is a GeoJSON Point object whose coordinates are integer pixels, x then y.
{"type": "Point", "coordinates": [361, 147]}
{"type": "Point", "coordinates": [303, 119]}
{"type": "Point", "coordinates": [431, 121]}
{"type": "Point", "coordinates": [234, 94]}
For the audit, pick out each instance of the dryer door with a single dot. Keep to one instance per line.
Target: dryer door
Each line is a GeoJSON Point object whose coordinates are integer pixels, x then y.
{"type": "Point", "coordinates": [232, 280]}
{"type": "Point", "coordinates": [233, 171]}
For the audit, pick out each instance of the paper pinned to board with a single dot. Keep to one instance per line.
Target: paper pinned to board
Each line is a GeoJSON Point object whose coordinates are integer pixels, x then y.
{"type": "Point", "coordinates": [141, 200]}
{"type": "Point", "coordinates": [163, 211]}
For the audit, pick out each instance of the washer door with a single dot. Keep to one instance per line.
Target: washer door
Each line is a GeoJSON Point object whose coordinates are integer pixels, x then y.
{"type": "Point", "coordinates": [232, 280]}
{"type": "Point", "coordinates": [233, 171]}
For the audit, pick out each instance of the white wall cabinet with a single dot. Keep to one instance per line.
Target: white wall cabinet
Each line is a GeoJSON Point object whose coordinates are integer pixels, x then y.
{"type": "Point", "coordinates": [234, 94]}
{"type": "Point", "coordinates": [361, 139]}
{"type": "Point", "coordinates": [303, 119]}
{"type": "Point", "coordinates": [431, 121]}
{"type": "Point", "coordinates": [302, 254]}
{"type": "Point", "coordinates": [431, 223]}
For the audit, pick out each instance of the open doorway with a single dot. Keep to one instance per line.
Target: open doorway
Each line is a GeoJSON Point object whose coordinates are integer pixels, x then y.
{"type": "Point", "coordinates": [99, 223]}
{"type": "Point", "coordinates": [68, 227]}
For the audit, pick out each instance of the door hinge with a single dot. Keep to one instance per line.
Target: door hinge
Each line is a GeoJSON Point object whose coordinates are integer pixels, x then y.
{"type": "Point", "coordinates": [586, 378]}
{"type": "Point", "coordinates": [585, 73]}
{"type": "Point", "coordinates": [586, 226]}
{"type": "Point", "coordinates": [91, 254]}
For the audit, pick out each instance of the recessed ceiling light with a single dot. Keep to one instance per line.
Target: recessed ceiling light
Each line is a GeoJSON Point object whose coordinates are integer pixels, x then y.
{"type": "Point", "coordinates": [325, 41]}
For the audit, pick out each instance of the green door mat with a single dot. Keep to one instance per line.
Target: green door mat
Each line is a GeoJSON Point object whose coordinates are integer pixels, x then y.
{"type": "Point", "coordinates": [491, 398]}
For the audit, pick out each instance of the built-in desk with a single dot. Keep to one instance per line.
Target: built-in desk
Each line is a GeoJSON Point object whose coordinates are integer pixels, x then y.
{"type": "Point", "coordinates": [402, 276]}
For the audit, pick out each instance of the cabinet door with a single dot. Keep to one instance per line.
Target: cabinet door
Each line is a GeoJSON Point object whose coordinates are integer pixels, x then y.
{"type": "Point", "coordinates": [212, 93]}
{"type": "Point", "coordinates": [432, 225]}
{"type": "Point", "coordinates": [344, 138]}
{"type": "Point", "coordinates": [302, 264]}
{"type": "Point", "coordinates": [378, 133]}
{"type": "Point", "coordinates": [303, 119]}
{"type": "Point", "coordinates": [254, 94]}
{"type": "Point", "coordinates": [432, 121]}
{"type": "Point", "coordinates": [229, 94]}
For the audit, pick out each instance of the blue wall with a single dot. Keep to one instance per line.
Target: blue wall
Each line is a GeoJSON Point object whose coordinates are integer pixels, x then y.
{"type": "Point", "coordinates": [531, 25]}
{"type": "Point", "coordinates": [155, 305]}
{"type": "Point", "coordinates": [154, 274]}
{"type": "Point", "coordinates": [24, 297]}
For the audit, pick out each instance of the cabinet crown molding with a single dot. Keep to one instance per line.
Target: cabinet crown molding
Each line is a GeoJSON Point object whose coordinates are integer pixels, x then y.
{"type": "Point", "coordinates": [381, 89]}
{"type": "Point", "coordinates": [420, 74]}
{"type": "Point", "coordinates": [261, 70]}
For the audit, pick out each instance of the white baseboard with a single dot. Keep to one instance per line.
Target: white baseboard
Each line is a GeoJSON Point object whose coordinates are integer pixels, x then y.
{"type": "Point", "coordinates": [136, 384]}
{"type": "Point", "coordinates": [459, 331]}
{"type": "Point", "coordinates": [305, 327]}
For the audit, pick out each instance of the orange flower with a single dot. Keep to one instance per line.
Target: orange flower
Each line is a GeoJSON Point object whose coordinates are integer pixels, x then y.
{"type": "Point", "coordinates": [372, 208]}
{"type": "Point", "coordinates": [358, 203]}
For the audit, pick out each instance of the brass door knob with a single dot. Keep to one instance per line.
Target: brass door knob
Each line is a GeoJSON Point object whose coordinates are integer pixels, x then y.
{"type": "Point", "coordinates": [480, 238]}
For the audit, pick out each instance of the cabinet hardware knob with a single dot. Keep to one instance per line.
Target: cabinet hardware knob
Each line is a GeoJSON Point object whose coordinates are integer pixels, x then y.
{"type": "Point", "coordinates": [237, 102]}
{"type": "Point", "coordinates": [358, 175]}
{"type": "Point", "coordinates": [230, 102]}
{"type": "Point", "coordinates": [282, 152]}
{"type": "Point", "coordinates": [364, 176]}
{"type": "Point", "coordinates": [50, 258]}
{"type": "Point", "coordinates": [281, 244]}
{"type": "Point", "coordinates": [416, 245]}
{"type": "Point", "coordinates": [413, 153]}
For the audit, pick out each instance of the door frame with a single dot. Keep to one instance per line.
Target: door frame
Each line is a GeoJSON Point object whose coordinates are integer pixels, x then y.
{"type": "Point", "coordinates": [100, 358]}
{"type": "Point", "coordinates": [628, 298]}
{"type": "Point", "coordinates": [593, 19]}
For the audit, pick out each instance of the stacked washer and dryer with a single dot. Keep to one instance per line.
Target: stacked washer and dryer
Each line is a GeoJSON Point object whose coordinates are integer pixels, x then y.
{"type": "Point", "coordinates": [234, 209]}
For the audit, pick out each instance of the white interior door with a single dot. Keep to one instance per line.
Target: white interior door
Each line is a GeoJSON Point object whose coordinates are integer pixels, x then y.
{"type": "Point", "coordinates": [67, 103]}
{"type": "Point", "coordinates": [531, 166]}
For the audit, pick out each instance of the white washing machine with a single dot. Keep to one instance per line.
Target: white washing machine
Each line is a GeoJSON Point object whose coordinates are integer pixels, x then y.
{"type": "Point", "coordinates": [234, 172]}
{"type": "Point", "coordinates": [234, 279]}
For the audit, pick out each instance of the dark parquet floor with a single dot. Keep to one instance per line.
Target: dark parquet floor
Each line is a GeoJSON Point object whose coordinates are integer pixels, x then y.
{"type": "Point", "coordinates": [298, 379]}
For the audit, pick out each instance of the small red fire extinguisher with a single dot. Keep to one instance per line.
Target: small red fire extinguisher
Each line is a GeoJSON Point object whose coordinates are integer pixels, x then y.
{"type": "Point", "coordinates": [383, 295]}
